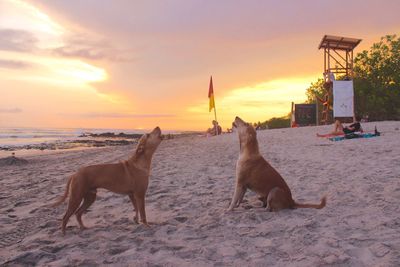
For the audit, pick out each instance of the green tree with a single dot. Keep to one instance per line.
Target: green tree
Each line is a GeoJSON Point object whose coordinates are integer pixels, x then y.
{"type": "Point", "coordinates": [275, 123]}
{"type": "Point", "coordinates": [314, 92]}
{"type": "Point", "coordinates": [377, 80]}
{"type": "Point", "coordinates": [281, 122]}
{"type": "Point", "coordinates": [315, 89]}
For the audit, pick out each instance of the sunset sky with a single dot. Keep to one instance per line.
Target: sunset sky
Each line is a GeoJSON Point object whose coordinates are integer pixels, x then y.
{"type": "Point", "coordinates": [139, 64]}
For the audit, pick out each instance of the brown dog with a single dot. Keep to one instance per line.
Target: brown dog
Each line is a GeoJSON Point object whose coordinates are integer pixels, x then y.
{"type": "Point", "coordinates": [255, 173]}
{"type": "Point", "coordinates": [130, 177]}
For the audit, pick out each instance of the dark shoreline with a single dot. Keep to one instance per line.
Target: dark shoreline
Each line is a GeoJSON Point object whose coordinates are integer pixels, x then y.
{"type": "Point", "coordinates": [90, 140]}
{"type": "Point", "coordinates": [112, 135]}
{"type": "Point", "coordinates": [68, 144]}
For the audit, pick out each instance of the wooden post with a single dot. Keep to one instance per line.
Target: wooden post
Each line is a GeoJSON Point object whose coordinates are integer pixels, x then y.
{"type": "Point", "coordinates": [215, 115]}
{"type": "Point", "coordinates": [329, 60]}
{"type": "Point", "coordinates": [291, 115]}
{"type": "Point", "coordinates": [324, 62]}
{"type": "Point", "coordinates": [316, 110]}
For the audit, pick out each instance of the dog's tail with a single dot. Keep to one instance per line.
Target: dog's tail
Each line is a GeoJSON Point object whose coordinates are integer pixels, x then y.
{"type": "Point", "coordinates": [314, 206]}
{"type": "Point", "coordinates": [64, 197]}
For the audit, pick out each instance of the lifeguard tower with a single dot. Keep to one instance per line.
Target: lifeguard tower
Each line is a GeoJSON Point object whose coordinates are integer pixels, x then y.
{"type": "Point", "coordinates": [338, 62]}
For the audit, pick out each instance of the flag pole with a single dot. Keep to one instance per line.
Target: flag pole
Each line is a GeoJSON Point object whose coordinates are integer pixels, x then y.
{"type": "Point", "coordinates": [215, 115]}
{"type": "Point", "coordinates": [215, 111]}
{"type": "Point", "coordinates": [212, 104]}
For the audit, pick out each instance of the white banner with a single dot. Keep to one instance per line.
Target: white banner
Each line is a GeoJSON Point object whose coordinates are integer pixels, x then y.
{"type": "Point", "coordinates": [343, 99]}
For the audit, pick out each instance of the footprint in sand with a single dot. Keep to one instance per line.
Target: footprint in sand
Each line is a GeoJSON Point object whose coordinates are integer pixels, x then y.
{"type": "Point", "coordinates": [30, 258]}
{"type": "Point", "coordinates": [117, 250]}
{"type": "Point", "coordinates": [21, 203]}
{"type": "Point", "coordinates": [181, 219]}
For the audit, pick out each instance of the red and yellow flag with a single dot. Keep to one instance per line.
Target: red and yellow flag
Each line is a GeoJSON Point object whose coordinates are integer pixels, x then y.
{"type": "Point", "coordinates": [211, 96]}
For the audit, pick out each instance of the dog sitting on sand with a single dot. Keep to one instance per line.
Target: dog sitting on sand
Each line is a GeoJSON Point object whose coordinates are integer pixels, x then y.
{"type": "Point", "coordinates": [130, 177]}
{"type": "Point", "coordinates": [255, 173]}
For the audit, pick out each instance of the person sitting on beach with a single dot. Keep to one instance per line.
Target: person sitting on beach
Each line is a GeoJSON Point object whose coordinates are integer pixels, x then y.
{"type": "Point", "coordinates": [340, 130]}
{"type": "Point", "coordinates": [215, 130]}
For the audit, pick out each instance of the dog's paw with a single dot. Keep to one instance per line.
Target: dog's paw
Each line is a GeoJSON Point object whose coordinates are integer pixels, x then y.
{"type": "Point", "coordinates": [146, 224]}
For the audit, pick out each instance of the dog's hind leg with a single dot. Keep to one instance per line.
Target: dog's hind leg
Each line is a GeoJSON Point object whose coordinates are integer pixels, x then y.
{"type": "Point", "coordinates": [136, 217]}
{"type": "Point", "coordinates": [278, 199]}
{"type": "Point", "coordinates": [88, 200]}
{"type": "Point", "coordinates": [237, 197]}
{"type": "Point", "coordinates": [75, 200]}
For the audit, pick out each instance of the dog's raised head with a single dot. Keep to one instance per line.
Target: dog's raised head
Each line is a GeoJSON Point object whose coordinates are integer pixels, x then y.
{"type": "Point", "coordinates": [149, 142]}
{"type": "Point", "coordinates": [247, 134]}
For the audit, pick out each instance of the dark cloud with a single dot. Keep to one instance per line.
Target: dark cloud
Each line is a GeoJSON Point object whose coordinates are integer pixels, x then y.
{"type": "Point", "coordinates": [13, 64]}
{"type": "Point", "coordinates": [17, 40]}
{"type": "Point", "coordinates": [10, 110]}
{"type": "Point", "coordinates": [80, 46]}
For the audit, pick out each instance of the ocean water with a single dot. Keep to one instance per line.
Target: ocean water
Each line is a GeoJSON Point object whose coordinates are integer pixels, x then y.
{"type": "Point", "coordinates": [33, 141]}
{"type": "Point", "coordinates": [11, 137]}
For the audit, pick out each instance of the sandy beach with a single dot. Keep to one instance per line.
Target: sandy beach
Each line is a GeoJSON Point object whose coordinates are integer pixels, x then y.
{"type": "Point", "coordinates": [191, 185]}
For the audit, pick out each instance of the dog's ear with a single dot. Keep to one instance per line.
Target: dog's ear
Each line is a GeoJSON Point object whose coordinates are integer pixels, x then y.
{"type": "Point", "coordinates": [140, 149]}
{"type": "Point", "coordinates": [141, 144]}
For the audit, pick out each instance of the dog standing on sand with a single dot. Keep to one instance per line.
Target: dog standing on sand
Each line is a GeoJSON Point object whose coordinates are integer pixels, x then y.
{"type": "Point", "coordinates": [255, 173]}
{"type": "Point", "coordinates": [130, 177]}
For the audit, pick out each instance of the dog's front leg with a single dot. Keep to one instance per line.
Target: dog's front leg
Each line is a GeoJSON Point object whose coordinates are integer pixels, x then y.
{"type": "Point", "coordinates": [136, 217]}
{"type": "Point", "coordinates": [240, 199]}
{"type": "Point", "coordinates": [140, 203]}
{"type": "Point", "coordinates": [237, 196]}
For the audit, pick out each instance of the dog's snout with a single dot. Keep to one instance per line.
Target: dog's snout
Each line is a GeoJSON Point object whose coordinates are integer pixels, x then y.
{"type": "Point", "coordinates": [238, 121]}
{"type": "Point", "coordinates": [157, 130]}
